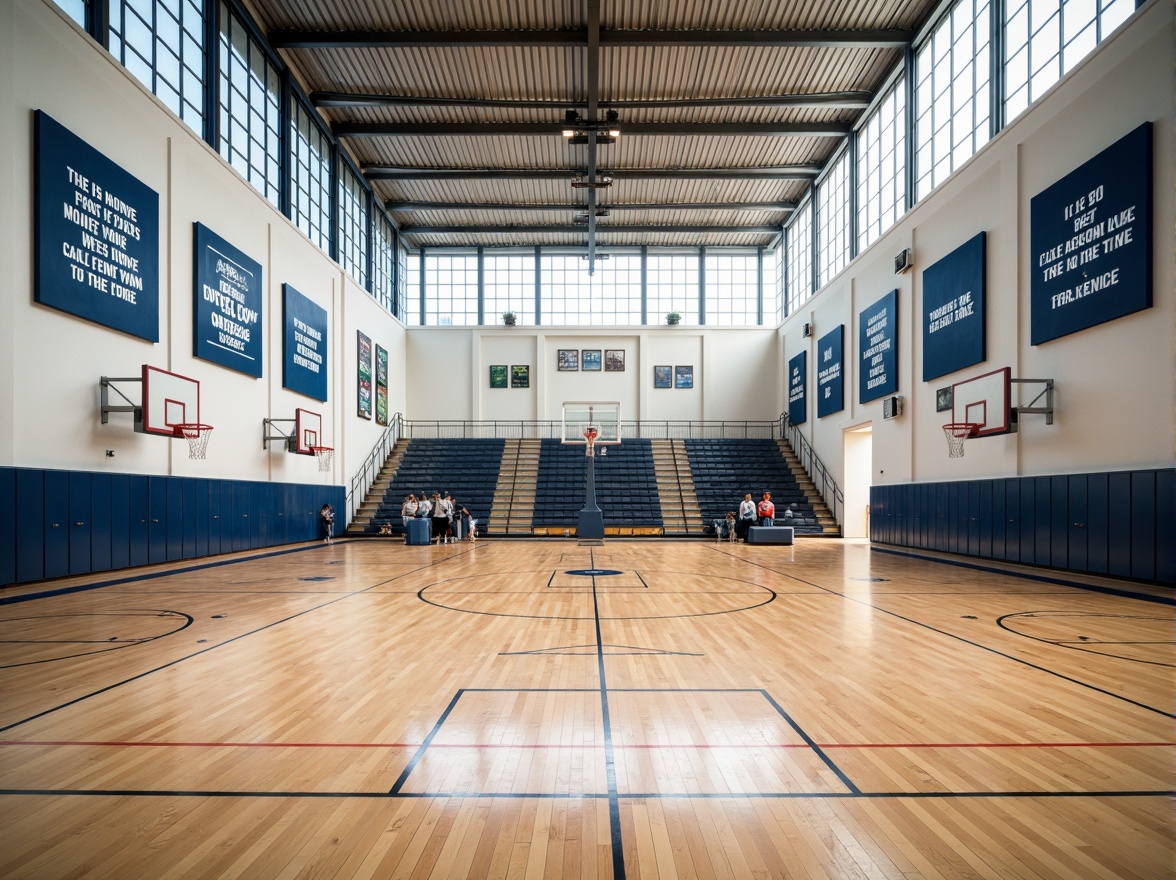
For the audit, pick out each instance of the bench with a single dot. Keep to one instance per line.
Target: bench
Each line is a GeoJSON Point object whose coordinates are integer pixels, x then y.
{"type": "Point", "coordinates": [769, 535]}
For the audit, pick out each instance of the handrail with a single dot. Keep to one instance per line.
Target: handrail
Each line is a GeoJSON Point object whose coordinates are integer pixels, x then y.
{"type": "Point", "coordinates": [823, 481]}
{"type": "Point", "coordinates": [370, 469]}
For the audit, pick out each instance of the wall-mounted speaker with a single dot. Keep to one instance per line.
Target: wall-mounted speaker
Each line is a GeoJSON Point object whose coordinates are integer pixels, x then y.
{"type": "Point", "coordinates": [903, 261]}
{"type": "Point", "coordinates": [806, 331]}
{"type": "Point", "coordinates": [892, 407]}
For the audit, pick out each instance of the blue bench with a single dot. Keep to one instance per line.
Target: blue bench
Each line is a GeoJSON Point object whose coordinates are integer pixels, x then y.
{"type": "Point", "coordinates": [769, 535]}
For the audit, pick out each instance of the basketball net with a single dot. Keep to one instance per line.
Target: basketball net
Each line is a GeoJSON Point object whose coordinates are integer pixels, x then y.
{"type": "Point", "coordinates": [325, 455]}
{"type": "Point", "coordinates": [590, 432]}
{"type": "Point", "coordinates": [197, 437]}
{"type": "Point", "coordinates": [957, 434]}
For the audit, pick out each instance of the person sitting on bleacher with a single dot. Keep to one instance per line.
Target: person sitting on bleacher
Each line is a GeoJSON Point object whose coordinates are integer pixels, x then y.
{"type": "Point", "coordinates": [766, 510]}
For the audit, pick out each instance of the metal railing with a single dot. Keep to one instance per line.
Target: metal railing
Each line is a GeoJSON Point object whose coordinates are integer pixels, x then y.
{"type": "Point", "coordinates": [521, 429]}
{"type": "Point", "coordinates": [823, 481]}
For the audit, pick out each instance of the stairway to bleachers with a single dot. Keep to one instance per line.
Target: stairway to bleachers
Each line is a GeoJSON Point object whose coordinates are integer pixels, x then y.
{"type": "Point", "coordinates": [725, 470]}
{"type": "Point", "coordinates": [465, 468]}
{"type": "Point", "coordinates": [626, 488]}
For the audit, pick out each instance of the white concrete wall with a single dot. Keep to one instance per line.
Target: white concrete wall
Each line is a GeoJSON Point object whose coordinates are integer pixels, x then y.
{"type": "Point", "coordinates": [1115, 382]}
{"type": "Point", "coordinates": [51, 362]}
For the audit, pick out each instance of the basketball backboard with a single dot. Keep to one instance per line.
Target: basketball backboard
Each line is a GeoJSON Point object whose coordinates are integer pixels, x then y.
{"type": "Point", "coordinates": [604, 416]}
{"type": "Point", "coordinates": [985, 401]}
{"type": "Point", "coordinates": [169, 399]}
{"type": "Point", "coordinates": [308, 431]}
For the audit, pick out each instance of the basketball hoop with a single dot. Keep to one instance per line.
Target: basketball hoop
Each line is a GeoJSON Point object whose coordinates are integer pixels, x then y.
{"type": "Point", "coordinates": [197, 436]}
{"type": "Point", "coordinates": [957, 434]}
{"type": "Point", "coordinates": [590, 432]}
{"type": "Point", "coordinates": [325, 455]}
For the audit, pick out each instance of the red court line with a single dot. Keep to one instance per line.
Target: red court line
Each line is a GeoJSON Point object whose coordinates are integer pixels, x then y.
{"type": "Point", "coordinates": [858, 746]}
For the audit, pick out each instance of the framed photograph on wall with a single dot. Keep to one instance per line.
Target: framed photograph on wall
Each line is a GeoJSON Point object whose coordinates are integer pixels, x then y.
{"type": "Point", "coordinates": [520, 376]}
{"type": "Point", "coordinates": [363, 351]}
{"type": "Point", "coordinates": [590, 359]}
{"type": "Point", "coordinates": [614, 360]}
{"type": "Point", "coordinates": [663, 377]}
{"type": "Point", "coordinates": [943, 399]}
{"type": "Point", "coordinates": [569, 359]}
{"type": "Point", "coordinates": [684, 377]}
{"type": "Point", "coordinates": [498, 375]}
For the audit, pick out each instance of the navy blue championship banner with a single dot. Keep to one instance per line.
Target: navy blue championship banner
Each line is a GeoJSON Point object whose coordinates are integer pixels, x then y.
{"type": "Point", "coordinates": [878, 338]}
{"type": "Point", "coordinates": [830, 393]}
{"type": "Point", "coordinates": [304, 345]}
{"type": "Point", "coordinates": [953, 310]}
{"type": "Point", "coordinates": [1091, 241]}
{"type": "Point", "coordinates": [797, 379]}
{"type": "Point", "coordinates": [96, 235]}
{"type": "Point", "coordinates": [226, 327]}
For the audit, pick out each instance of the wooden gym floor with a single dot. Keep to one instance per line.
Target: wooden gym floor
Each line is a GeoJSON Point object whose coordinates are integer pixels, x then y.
{"type": "Point", "coordinates": [546, 709]}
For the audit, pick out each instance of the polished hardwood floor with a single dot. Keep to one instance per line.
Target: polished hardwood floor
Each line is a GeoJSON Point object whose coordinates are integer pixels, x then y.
{"type": "Point", "coordinates": [640, 709]}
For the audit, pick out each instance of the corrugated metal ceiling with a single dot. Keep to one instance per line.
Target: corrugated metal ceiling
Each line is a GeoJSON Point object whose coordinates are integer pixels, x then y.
{"type": "Point", "coordinates": [720, 66]}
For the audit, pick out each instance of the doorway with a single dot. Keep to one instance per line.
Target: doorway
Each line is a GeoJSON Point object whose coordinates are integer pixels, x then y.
{"type": "Point", "coordinates": [859, 456]}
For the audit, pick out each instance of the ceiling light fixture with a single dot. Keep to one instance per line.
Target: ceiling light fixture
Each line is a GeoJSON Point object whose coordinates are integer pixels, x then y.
{"type": "Point", "coordinates": [576, 130]}
{"type": "Point", "coordinates": [580, 181]}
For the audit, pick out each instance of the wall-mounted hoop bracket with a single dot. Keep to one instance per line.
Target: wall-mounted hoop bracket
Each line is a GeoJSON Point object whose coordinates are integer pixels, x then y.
{"type": "Point", "coordinates": [107, 385]}
{"type": "Point", "coordinates": [271, 431]}
{"type": "Point", "coordinates": [1043, 403]}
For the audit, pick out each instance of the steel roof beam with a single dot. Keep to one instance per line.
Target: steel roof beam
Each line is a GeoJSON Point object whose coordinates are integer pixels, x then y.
{"type": "Point", "coordinates": [779, 172]}
{"type": "Point", "coordinates": [577, 38]}
{"type": "Point", "coordinates": [554, 129]}
{"type": "Point", "coordinates": [644, 206]}
{"type": "Point", "coordinates": [580, 227]}
{"type": "Point", "coordinates": [845, 100]}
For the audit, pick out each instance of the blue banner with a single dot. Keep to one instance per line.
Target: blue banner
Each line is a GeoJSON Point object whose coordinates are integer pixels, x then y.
{"type": "Point", "coordinates": [304, 345]}
{"type": "Point", "coordinates": [953, 310]}
{"type": "Point", "coordinates": [797, 379]}
{"type": "Point", "coordinates": [227, 313]}
{"type": "Point", "coordinates": [1091, 241]}
{"type": "Point", "coordinates": [878, 341]}
{"type": "Point", "coordinates": [830, 394]}
{"type": "Point", "coordinates": [96, 235]}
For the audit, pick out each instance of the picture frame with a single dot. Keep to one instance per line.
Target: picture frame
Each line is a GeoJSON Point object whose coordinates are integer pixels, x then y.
{"type": "Point", "coordinates": [520, 376]}
{"type": "Point", "coordinates": [663, 377]}
{"type": "Point", "coordinates": [590, 360]}
{"type": "Point", "coordinates": [943, 399]}
{"type": "Point", "coordinates": [684, 377]}
{"type": "Point", "coordinates": [568, 359]}
{"type": "Point", "coordinates": [614, 360]}
{"type": "Point", "coordinates": [498, 375]}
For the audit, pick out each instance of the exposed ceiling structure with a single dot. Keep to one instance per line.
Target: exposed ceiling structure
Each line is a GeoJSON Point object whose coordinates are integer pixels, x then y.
{"type": "Point", "coordinates": [458, 113]}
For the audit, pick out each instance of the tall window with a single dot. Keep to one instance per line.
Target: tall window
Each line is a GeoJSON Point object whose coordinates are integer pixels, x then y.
{"type": "Point", "coordinates": [76, 9]}
{"type": "Point", "coordinates": [310, 175]}
{"type": "Point", "coordinates": [671, 285]}
{"type": "Point", "coordinates": [353, 224]}
{"type": "Point", "coordinates": [250, 107]}
{"type": "Point", "coordinates": [1044, 39]}
{"type": "Point", "coordinates": [384, 261]}
{"type": "Point", "coordinates": [452, 282]}
{"type": "Point", "coordinates": [833, 216]}
{"type": "Point", "coordinates": [774, 304]}
{"type": "Point", "coordinates": [951, 94]}
{"type": "Point", "coordinates": [881, 166]}
{"type": "Point", "coordinates": [508, 285]}
{"type": "Point", "coordinates": [616, 291]}
{"type": "Point", "coordinates": [732, 289]}
{"type": "Point", "coordinates": [412, 287]}
{"type": "Point", "coordinates": [162, 43]}
{"type": "Point", "coordinates": [799, 237]}
{"type": "Point", "coordinates": [566, 289]}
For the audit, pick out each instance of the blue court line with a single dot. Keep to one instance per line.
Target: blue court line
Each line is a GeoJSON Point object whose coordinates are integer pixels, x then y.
{"type": "Point", "coordinates": [148, 576]}
{"type": "Point", "coordinates": [1045, 579]}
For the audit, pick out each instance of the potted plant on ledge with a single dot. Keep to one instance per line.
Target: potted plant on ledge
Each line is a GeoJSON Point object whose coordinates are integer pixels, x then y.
{"type": "Point", "coordinates": [509, 319]}
{"type": "Point", "coordinates": [673, 318]}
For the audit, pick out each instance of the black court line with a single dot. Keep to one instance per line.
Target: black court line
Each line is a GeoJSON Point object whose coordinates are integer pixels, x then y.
{"type": "Point", "coordinates": [236, 638]}
{"type": "Point", "coordinates": [147, 576]}
{"type": "Point", "coordinates": [1027, 576]}
{"type": "Point", "coordinates": [966, 641]}
{"type": "Point", "coordinates": [610, 767]}
{"type": "Point", "coordinates": [420, 752]}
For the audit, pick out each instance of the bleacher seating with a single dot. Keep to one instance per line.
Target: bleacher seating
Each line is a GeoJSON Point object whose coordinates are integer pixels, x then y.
{"type": "Point", "coordinates": [725, 470]}
{"type": "Point", "coordinates": [626, 485]}
{"type": "Point", "coordinates": [467, 469]}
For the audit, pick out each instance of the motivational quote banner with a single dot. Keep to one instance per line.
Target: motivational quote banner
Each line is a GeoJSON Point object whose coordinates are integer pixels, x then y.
{"type": "Point", "coordinates": [304, 349]}
{"type": "Point", "coordinates": [953, 310]}
{"type": "Point", "coordinates": [96, 235]}
{"type": "Point", "coordinates": [878, 339]}
{"type": "Point", "coordinates": [797, 379]}
{"type": "Point", "coordinates": [227, 315]}
{"type": "Point", "coordinates": [1090, 241]}
{"type": "Point", "coordinates": [830, 389]}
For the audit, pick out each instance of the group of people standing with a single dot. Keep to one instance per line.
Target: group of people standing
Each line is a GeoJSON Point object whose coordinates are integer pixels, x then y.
{"type": "Point", "coordinates": [449, 522]}
{"type": "Point", "coordinates": [751, 513]}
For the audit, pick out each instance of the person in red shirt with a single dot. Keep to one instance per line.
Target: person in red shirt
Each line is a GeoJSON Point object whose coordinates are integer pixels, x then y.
{"type": "Point", "coordinates": [766, 510]}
